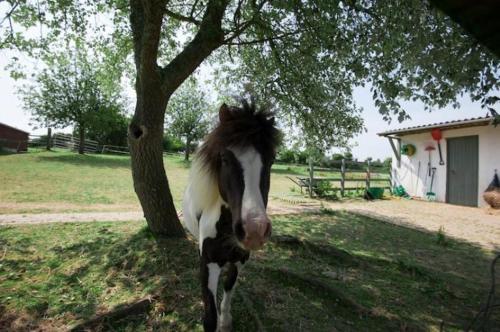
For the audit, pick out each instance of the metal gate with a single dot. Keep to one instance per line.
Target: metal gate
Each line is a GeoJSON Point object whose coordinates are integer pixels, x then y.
{"type": "Point", "coordinates": [462, 170]}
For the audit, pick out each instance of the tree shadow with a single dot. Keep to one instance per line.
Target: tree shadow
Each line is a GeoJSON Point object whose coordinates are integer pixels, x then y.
{"type": "Point", "coordinates": [402, 279]}
{"type": "Point", "coordinates": [402, 272]}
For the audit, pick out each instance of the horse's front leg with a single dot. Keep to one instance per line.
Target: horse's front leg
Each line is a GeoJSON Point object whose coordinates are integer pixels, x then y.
{"type": "Point", "coordinates": [226, 320]}
{"type": "Point", "coordinates": [209, 273]}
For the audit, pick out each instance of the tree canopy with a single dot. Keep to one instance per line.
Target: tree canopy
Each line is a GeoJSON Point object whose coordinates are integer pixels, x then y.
{"type": "Point", "coordinates": [68, 92]}
{"type": "Point", "coordinates": [304, 56]}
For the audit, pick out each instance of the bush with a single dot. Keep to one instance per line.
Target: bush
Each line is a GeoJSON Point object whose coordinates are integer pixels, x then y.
{"type": "Point", "coordinates": [286, 156]}
{"type": "Point", "coordinates": [301, 157]}
{"type": "Point", "coordinates": [172, 144]}
{"type": "Point", "coordinates": [323, 188]}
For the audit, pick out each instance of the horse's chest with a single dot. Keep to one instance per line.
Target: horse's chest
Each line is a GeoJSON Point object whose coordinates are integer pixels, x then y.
{"type": "Point", "coordinates": [223, 247]}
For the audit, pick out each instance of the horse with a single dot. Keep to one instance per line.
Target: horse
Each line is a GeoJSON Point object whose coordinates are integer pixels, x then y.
{"type": "Point", "coordinates": [225, 202]}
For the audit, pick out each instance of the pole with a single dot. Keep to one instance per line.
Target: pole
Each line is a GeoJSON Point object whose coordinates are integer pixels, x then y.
{"type": "Point", "coordinates": [342, 178]}
{"type": "Point", "coordinates": [311, 176]}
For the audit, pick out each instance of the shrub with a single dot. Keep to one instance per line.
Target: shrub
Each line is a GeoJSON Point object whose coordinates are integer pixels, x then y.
{"type": "Point", "coordinates": [172, 144]}
{"type": "Point", "coordinates": [286, 156]}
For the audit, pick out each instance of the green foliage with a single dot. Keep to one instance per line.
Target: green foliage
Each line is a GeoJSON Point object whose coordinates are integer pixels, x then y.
{"type": "Point", "coordinates": [110, 129]}
{"type": "Point", "coordinates": [323, 188]}
{"type": "Point", "coordinates": [188, 114]}
{"type": "Point", "coordinates": [68, 92]}
{"type": "Point", "coordinates": [172, 144]}
{"type": "Point", "coordinates": [305, 57]}
{"type": "Point", "coordinates": [286, 156]}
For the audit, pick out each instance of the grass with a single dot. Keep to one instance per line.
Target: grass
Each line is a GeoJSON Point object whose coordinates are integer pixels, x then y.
{"type": "Point", "coordinates": [62, 181]}
{"type": "Point", "coordinates": [56, 275]}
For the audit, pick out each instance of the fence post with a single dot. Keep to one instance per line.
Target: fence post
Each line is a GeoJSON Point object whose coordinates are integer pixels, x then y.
{"type": "Point", "coordinates": [368, 174]}
{"type": "Point", "coordinates": [342, 178]}
{"type": "Point", "coordinates": [311, 176]}
{"type": "Point", "coordinates": [390, 178]}
{"type": "Point", "coordinates": [49, 138]}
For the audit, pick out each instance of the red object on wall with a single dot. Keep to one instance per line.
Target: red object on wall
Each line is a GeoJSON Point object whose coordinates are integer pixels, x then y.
{"type": "Point", "coordinates": [13, 139]}
{"type": "Point", "coordinates": [436, 134]}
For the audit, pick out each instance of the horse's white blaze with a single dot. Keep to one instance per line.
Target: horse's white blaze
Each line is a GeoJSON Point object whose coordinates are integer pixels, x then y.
{"type": "Point", "coordinates": [252, 204]}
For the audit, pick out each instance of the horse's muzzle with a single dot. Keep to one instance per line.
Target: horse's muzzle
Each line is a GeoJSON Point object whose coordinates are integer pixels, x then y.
{"type": "Point", "coordinates": [257, 232]}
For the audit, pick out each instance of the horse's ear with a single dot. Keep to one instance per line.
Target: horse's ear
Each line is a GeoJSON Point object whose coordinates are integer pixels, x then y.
{"type": "Point", "coordinates": [224, 113]}
{"type": "Point", "coordinates": [271, 121]}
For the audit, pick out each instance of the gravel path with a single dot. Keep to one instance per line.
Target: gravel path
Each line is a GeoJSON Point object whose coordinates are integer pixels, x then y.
{"type": "Point", "coordinates": [43, 218]}
{"type": "Point", "coordinates": [480, 226]}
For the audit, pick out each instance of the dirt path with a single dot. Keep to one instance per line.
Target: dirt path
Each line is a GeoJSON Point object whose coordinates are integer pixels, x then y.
{"type": "Point", "coordinates": [480, 226]}
{"type": "Point", "coordinates": [476, 225]}
{"type": "Point", "coordinates": [42, 218]}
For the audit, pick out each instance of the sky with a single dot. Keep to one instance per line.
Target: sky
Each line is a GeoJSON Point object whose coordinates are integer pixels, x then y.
{"type": "Point", "coordinates": [365, 145]}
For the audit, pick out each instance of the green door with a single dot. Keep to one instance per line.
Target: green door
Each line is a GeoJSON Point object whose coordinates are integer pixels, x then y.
{"type": "Point", "coordinates": [462, 170]}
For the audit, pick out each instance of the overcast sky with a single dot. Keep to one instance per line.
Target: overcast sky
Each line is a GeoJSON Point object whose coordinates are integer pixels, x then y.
{"type": "Point", "coordinates": [366, 145]}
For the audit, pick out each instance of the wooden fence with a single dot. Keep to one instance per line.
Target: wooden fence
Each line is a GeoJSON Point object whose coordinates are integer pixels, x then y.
{"type": "Point", "coordinates": [349, 175]}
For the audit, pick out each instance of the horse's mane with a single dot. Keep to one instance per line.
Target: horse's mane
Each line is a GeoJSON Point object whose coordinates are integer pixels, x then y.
{"type": "Point", "coordinates": [243, 126]}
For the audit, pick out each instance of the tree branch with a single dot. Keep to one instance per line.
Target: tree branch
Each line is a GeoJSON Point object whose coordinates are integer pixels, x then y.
{"type": "Point", "coordinates": [177, 16]}
{"type": "Point", "coordinates": [209, 37]}
{"type": "Point", "coordinates": [146, 18]}
{"type": "Point", "coordinates": [262, 40]}
{"type": "Point", "coordinates": [245, 25]}
{"type": "Point", "coordinates": [9, 14]}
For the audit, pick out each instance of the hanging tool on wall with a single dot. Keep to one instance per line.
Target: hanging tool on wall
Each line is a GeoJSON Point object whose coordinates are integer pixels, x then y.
{"type": "Point", "coordinates": [418, 177]}
{"type": "Point", "coordinates": [431, 196]}
{"type": "Point", "coordinates": [429, 148]}
{"type": "Point", "coordinates": [437, 135]}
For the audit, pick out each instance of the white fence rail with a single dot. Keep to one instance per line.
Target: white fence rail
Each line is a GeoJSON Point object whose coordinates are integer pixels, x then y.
{"type": "Point", "coordinates": [115, 149]}
{"type": "Point", "coordinates": [67, 141]}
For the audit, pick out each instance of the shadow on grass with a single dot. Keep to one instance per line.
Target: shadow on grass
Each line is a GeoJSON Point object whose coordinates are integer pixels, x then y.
{"type": "Point", "coordinates": [89, 160]}
{"type": "Point", "coordinates": [403, 277]}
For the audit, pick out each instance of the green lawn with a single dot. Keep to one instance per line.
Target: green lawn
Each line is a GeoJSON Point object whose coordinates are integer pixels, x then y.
{"type": "Point", "coordinates": [62, 181]}
{"type": "Point", "coordinates": [349, 273]}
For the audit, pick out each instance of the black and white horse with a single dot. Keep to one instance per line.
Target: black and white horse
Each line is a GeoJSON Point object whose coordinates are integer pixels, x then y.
{"type": "Point", "coordinates": [225, 202]}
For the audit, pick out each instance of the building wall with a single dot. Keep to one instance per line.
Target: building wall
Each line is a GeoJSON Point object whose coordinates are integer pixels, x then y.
{"type": "Point", "coordinates": [13, 139]}
{"type": "Point", "coordinates": [418, 183]}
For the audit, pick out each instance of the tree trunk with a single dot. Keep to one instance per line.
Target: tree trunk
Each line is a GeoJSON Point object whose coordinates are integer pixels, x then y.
{"type": "Point", "coordinates": [148, 171]}
{"type": "Point", "coordinates": [81, 141]}
{"type": "Point", "coordinates": [187, 150]}
{"type": "Point", "coordinates": [49, 138]}
{"type": "Point", "coordinates": [154, 86]}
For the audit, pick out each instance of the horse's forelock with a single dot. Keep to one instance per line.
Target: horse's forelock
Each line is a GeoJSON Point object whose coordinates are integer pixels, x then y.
{"type": "Point", "coordinates": [246, 127]}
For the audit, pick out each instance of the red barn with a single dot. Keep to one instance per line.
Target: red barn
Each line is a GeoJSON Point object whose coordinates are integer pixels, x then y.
{"type": "Point", "coordinates": [13, 139]}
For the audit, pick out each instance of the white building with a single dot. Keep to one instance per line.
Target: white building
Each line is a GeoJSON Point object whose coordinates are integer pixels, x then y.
{"type": "Point", "coordinates": [470, 151]}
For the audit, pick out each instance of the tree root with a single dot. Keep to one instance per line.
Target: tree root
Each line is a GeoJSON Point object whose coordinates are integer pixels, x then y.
{"type": "Point", "coordinates": [121, 311]}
